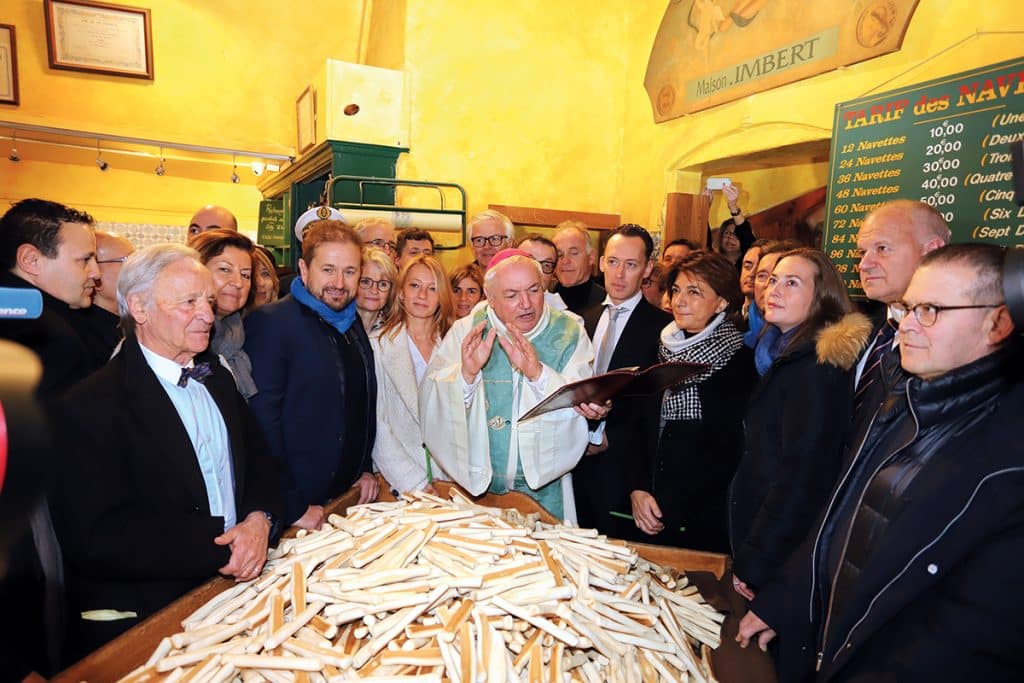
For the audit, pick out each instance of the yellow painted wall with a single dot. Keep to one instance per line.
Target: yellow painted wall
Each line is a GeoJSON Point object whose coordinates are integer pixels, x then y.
{"type": "Point", "coordinates": [799, 112]}
{"type": "Point", "coordinates": [385, 34]}
{"type": "Point", "coordinates": [520, 102]}
{"type": "Point", "coordinates": [124, 196]}
{"type": "Point", "coordinates": [227, 73]}
{"type": "Point", "coordinates": [531, 103]}
{"type": "Point", "coordinates": [762, 189]}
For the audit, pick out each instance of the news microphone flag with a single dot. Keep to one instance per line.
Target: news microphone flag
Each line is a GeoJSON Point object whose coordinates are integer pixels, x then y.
{"type": "Point", "coordinates": [20, 304]}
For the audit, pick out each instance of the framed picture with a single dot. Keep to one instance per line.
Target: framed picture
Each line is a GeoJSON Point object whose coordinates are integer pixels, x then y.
{"type": "Point", "coordinates": [98, 37]}
{"type": "Point", "coordinates": [305, 119]}
{"type": "Point", "coordinates": [8, 66]}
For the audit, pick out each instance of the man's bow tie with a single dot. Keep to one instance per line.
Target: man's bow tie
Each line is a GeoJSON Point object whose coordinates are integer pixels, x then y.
{"type": "Point", "coordinates": [199, 372]}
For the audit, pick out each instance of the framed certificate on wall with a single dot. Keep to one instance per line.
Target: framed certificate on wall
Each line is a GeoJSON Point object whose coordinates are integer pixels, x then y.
{"type": "Point", "coordinates": [305, 119]}
{"type": "Point", "coordinates": [98, 37]}
{"type": "Point", "coordinates": [8, 66]}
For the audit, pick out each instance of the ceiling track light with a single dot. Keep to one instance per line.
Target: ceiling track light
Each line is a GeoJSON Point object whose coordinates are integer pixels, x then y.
{"type": "Point", "coordinates": [160, 170]}
{"type": "Point", "coordinates": [100, 163]}
{"type": "Point", "coordinates": [234, 169]}
{"type": "Point", "coordinates": [13, 156]}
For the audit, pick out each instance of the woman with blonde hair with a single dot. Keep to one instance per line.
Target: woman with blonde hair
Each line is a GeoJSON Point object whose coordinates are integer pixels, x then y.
{"type": "Point", "coordinates": [420, 316]}
{"type": "Point", "coordinates": [376, 288]}
{"type": "Point", "coordinates": [266, 285]}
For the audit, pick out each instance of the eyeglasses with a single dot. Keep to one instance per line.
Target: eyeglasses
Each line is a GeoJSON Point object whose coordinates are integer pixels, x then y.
{"type": "Point", "coordinates": [927, 314]}
{"type": "Point", "coordinates": [762, 277]}
{"type": "Point", "coordinates": [493, 240]}
{"type": "Point", "coordinates": [384, 244]}
{"type": "Point", "coordinates": [547, 266]}
{"type": "Point", "coordinates": [119, 259]}
{"type": "Point", "coordinates": [367, 283]}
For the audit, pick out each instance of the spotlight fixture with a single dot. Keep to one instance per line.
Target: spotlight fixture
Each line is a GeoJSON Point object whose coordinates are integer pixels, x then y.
{"type": "Point", "coordinates": [234, 170]}
{"type": "Point", "coordinates": [14, 156]}
{"type": "Point", "coordinates": [160, 167]}
{"type": "Point", "coordinates": [100, 163]}
{"type": "Point", "coordinates": [257, 168]}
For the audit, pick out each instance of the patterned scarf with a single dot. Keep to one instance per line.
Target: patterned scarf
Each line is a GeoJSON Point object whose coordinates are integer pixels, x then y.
{"type": "Point", "coordinates": [228, 339]}
{"type": "Point", "coordinates": [339, 320]}
{"type": "Point", "coordinates": [714, 346]}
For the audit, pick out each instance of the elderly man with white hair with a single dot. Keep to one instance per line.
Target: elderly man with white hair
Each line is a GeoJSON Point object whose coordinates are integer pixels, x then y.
{"type": "Point", "coordinates": [493, 366]}
{"type": "Point", "coordinates": [165, 479]}
{"type": "Point", "coordinates": [489, 231]}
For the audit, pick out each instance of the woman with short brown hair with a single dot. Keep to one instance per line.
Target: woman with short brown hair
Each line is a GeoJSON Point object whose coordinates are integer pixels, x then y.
{"type": "Point", "coordinates": [228, 255]}
{"type": "Point", "coordinates": [681, 497]}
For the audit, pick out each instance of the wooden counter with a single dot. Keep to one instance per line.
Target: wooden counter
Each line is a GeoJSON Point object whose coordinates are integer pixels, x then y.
{"type": "Point", "coordinates": [705, 570]}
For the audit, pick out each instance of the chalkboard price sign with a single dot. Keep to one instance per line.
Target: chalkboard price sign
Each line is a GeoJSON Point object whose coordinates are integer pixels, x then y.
{"type": "Point", "coordinates": [270, 231]}
{"type": "Point", "coordinates": [945, 142]}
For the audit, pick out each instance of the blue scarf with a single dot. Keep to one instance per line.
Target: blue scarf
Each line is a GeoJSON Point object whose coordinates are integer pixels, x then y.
{"type": "Point", "coordinates": [769, 346]}
{"type": "Point", "coordinates": [339, 320]}
{"type": "Point", "coordinates": [755, 321]}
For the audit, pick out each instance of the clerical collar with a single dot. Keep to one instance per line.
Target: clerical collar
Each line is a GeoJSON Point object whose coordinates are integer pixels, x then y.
{"type": "Point", "coordinates": [164, 368]}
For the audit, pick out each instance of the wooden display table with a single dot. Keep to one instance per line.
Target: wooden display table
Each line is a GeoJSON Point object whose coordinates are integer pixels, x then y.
{"type": "Point", "coordinates": [707, 571]}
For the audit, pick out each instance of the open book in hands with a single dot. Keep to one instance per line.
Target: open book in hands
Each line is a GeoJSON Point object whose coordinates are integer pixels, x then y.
{"type": "Point", "coordinates": [622, 382]}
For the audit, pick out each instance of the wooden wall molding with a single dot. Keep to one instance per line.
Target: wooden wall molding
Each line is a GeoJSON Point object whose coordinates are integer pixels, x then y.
{"type": "Point", "coordinates": [528, 215]}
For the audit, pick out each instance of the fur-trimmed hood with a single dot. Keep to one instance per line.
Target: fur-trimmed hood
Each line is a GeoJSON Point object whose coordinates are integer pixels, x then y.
{"type": "Point", "coordinates": [841, 343]}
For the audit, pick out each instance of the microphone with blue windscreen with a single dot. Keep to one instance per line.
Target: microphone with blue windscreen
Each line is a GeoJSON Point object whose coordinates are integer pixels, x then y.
{"type": "Point", "coordinates": [20, 304]}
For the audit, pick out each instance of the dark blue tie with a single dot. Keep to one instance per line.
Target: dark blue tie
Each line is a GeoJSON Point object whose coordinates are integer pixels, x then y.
{"type": "Point", "coordinates": [199, 372]}
{"type": "Point", "coordinates": [871, 385]}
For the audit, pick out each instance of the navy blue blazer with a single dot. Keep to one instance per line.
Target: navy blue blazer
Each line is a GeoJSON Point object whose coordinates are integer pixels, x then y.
{"type": "Point", "coordinates": [301, 398]}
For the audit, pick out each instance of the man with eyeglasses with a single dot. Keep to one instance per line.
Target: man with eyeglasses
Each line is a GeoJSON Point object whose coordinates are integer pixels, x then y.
{"type": "Point", "coordinates": [625, 329]}
{"type": "Point", "coordinates": [913, 572]}
{"type": "Point", "coordinates": [575, 262]}
{"type": "Point", "coordinates": [100, 323]}
{"type": "Point", "coordinates": [380, 233]}
{"type": "Point", "coordinates": [489, 231]}
{"type": "Point", "coordinates": [544, 252]}
{"type": "Point", "coordinates": [313, 364]}
{"type": "Point", "coordinates": [892, 241]}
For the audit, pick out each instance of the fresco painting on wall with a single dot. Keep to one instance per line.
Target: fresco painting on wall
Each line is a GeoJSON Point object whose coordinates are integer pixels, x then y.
{"type": "Point", "coordinates": [708, 52]}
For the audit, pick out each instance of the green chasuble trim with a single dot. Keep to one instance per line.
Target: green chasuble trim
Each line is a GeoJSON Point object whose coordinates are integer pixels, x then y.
{"type": "Point", "coordinates": [555, 345]}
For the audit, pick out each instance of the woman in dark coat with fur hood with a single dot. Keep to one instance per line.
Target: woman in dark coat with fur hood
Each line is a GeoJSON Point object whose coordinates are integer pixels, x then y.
{"type": "Point", "coordinates": [798, 416]}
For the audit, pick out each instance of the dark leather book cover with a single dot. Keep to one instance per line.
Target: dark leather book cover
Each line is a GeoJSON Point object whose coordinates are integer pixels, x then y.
{"type": "Point", "coordinates": [622, 382]}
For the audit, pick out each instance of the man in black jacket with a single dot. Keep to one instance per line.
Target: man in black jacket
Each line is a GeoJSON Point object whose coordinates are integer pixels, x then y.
{"type": "Point", "coordinates": [576, 257]}
{"type": "Point", "coordinates": [313, 364]}
{"type": "Point", "coordinates": [49, 248]}
{"type": "Point", "coordinates": [892, 241]}
{"type": "Point", "coordinates": [625, 330]}
{"type": "Point", "coordinates": [164, 478]}
{"type": "Point", "coordinates": [913, 572]}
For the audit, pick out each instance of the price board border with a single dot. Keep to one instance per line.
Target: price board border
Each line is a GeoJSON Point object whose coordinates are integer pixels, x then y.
{"type": "Point", "coordinates": [860, 102]}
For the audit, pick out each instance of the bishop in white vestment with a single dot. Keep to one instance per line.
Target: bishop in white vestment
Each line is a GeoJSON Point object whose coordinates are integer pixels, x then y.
{"type": "Point", "coordinates": [493, 366]}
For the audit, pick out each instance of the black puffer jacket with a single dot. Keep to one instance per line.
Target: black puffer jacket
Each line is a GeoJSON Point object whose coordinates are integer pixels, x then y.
{"type": "Point", "coordinates": [795, 427]}
{"type": "Point", "coordinates": [938, 592]}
